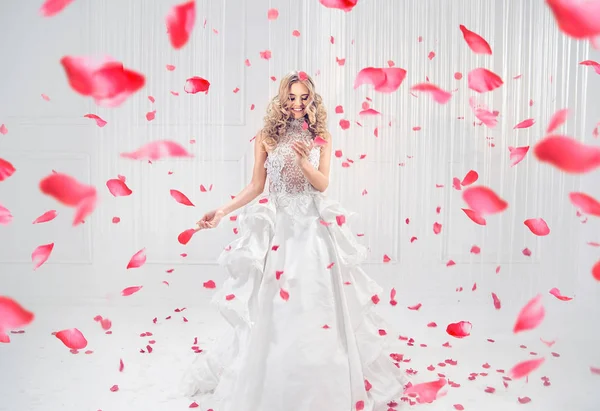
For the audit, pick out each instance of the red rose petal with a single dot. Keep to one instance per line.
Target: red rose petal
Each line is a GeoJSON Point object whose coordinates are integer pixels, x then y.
{"type": "Point", "coordinates": [439, 96]}
{"type": "Point", "coordinates": [180, 23]}
{"type": "Point", "coordinates": [517, 154]}
{"type": "Point", "coordinates": [344, 5]}
{"type": "Point", "coordinates": [556, 292]}
{"type": "Point", "coordinates": [578, 19]}
{"type": "Point", "coordinates": [475, 217]}
{"type": "Point", "coordinates": [196, 84]}
{"type": "Point", "coordinates": [6, 169]}
{"type": "Point", "coordinates": [460, 329]}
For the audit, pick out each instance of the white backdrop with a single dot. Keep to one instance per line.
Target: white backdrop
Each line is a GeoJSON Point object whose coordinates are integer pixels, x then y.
{"type": "Point", "coordinates": [407, 174]}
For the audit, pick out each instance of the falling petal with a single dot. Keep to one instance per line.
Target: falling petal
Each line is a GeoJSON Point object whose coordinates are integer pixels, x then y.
{"type": "Point", "coordinates": [575, 18]}
{"type": "Point", "coordinates": [53, 7]}
{"type": "Point", "coordinates": [6, 169]}
{"type": "Point", "coordinates": [470, 178]}
{"type": "Point", "coordinates": [496, 300]}
{"type": "Point", "coordinates": [47, 216]}
{"type": "Point", "coordinates": [181, 198]}
{"type": "Point", "coordinates": [531, 315]}
{"type": "Point", "coordinates": [525, 123]}
{"type": "Point", "coordinates": [157, 150]}
{"type": "Point", "coordinates": [5, 215]}
{"type": "Point", "coordinates": [474, 216]}
{"type": "Point", "coordinates": [185, 236]}
{"type": "Point", "coordinates": [118, 188]}
{"type": "Point", "coordinates": [385, 80]}
{"type": "Point", "coordinates": [131, 290]}
{"type": "Point", "coordinates": [13, 315]}
{"type": "Point", "coordinates": [557, 120]}
{"type": "Point", "coordinates": [99, 121]}
{"type": "Point", "coordinates": [537, 226]}
{"type": "Point", "coordinates": [196, 84]}
{"type": "Point", "coordinates": [41, 254]}
{"type": "Point", "coordinates": [460, 329]}
{"type": "Point", "coordinates": [72, 338]}
{"type": "Point", "coordinates": [439, 96]}
{"type": "Point", "coordinates": [180, 23]}
{"type": "Point", "coordinates": [107, 82]}
{"type": "Point", "coordinates": [567, 154]}
{"type": "Point", "coordinates": [524, 368]}
{"type": "Point", "coordinates": [70, 192]}
{"type": "Point", "coordinates": [138, 259]}
{"type": "Point", "coordinates": [587, 204]}
{"type": "Point", "coordinates": [475, 41]}
{"type": "Point", "coordinates": [482, 80]}
{"type": "Point", "coordinates": [272, 14]}
{"type": "Point", "coordinates": [517, 154]}
{"type": "Point", "coordinates": [556, 292]}
{"type": "Point", "coordinates": [483, 200]}
{"type": "Point", "coordinates": [344, 5]}
{"type": "Point", "coordinates": [427, 392]}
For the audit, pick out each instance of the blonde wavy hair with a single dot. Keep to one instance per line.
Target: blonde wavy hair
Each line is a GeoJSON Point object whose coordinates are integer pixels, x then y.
{"type": "Point", "coordinates": [278, 114]}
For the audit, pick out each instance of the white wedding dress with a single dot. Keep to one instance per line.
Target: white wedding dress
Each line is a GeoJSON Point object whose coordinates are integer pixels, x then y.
{"type": "Point", "coordinates": [303, 336]}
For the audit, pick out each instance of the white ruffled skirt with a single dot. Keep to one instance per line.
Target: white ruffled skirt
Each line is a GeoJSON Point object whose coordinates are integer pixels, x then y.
{"type": "Point", "coordinates": [303, 335]}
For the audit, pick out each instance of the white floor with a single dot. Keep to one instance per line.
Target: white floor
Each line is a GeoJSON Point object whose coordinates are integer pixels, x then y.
{"type": "Point", "coordinates": [39, 373]}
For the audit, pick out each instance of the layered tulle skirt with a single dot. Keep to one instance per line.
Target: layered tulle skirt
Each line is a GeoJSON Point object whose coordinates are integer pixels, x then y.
{"type": "Point", "coordinates": [304, 335]}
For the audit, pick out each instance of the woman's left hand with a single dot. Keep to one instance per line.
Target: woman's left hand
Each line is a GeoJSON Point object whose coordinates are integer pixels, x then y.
{"type": "Point", "coordinates": [302, 150]}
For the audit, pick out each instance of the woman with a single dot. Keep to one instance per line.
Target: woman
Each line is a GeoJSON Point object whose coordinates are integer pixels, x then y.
{"type": "Point", "coordinates": [304, 336]}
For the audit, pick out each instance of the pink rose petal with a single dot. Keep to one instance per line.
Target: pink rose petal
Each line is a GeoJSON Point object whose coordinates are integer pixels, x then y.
{"type": "Point", "coordinates": [70, 192]}
{"type": "Point", "coordinates": [439, 96]}
{"type": "Point", "coordinates": [483, 200]}
{"type": "Point", "coordinates": [557, 120]}
{"type": "Point", "coordinates": [524, 368]}
{"type": "Point", "coordinates": [13, 315]}
{"type": "Point", "coordinates": [72, 338]}
{"type": "Point", "coordinates": [52, 7]}
{"type": "Point", "coordinates": [577, 19]}
{"type": "Point", "coordinates": [41, 254]}
{"type": "Point", "coordinates": [470, 178]}
{"type": "Point", "coordinates": [525, 123]}
{"type": "Point", "coordinates": [385, 80]}
{"type": "Point", "coordinates": [567, 154]}
{"type": "Point", "coordinates": [517, 154]}
{"type": "Point", "coordinates": [556, 292]}
{"type": "Point", "coordinates": [531, 315]}
{"type": "Point", "coordinates": [157, 150]}
{"type": "Point", "coordinates": [5, 215]}
{"type": "Point", "coordinates": [181, 198]}
{"type": "Point", "coordinates": [131, 290]}
{"type": "Point", "coordinates": [99, 122]}
{"type": "Point", "coordinates": [537, 226]}
{"type": "Point", "coordinates": [587, 204]}
{"type": "Point", "coordinates": [475, 217]}
{"type": "Point", "coordinates": [426, 392]}
{"type": "Point", "coordinates": [118, 188]}
{"type": "Point", "coordinates": [138, 259]}
{"type": "Point", "coordinates": [47, 216]}
{"type": "Point", "coordinates": [482, 80]}
{"type": "Point", "coordinates": [475, 42]}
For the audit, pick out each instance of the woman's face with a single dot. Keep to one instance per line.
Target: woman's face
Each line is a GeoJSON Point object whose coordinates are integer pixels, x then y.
{"type": "Point", "coordinates": [298, 99]}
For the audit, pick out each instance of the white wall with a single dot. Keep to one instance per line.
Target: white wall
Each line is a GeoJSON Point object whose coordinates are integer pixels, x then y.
{"type": "Point", "coordinates": [88, 262]}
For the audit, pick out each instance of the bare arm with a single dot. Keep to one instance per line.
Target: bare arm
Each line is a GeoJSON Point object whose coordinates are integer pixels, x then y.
{"type": "Point", "coordinates": [257, 183]}
{"type": "Point", "coordinates": [319, 178]}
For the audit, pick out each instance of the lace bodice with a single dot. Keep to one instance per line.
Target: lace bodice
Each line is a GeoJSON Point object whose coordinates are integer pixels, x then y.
{"type": "Point", "coordinates": [285, 176]}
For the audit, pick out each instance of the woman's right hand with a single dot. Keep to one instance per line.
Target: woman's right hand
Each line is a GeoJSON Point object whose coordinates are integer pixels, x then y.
{"type": "Point", "coordinates": [210, 219]}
